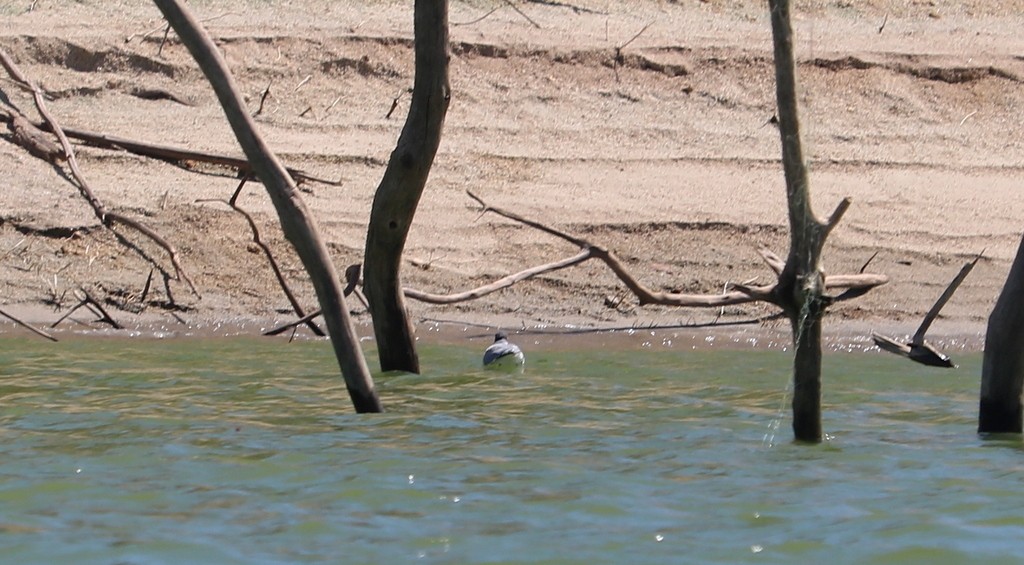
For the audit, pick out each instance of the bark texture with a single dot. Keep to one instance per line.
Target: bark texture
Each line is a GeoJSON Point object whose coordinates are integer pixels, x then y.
{"type": "Point", "coordinates": [296, 221]}
{"type": "Point", "coordinates": [802, 280]}
{"type": "Point", "coordinates": [396, 199]}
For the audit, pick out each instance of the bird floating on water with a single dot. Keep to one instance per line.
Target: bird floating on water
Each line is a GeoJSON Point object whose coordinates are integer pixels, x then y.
{"type": "Point", "coordinates": [501, 353]}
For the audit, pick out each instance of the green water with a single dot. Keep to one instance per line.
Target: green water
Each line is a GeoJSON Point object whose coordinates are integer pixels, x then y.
{"type": "Point", "coordinates": [245, 451]}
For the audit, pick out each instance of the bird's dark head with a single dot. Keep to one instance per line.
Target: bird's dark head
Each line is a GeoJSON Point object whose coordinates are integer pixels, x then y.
{"type": "Point", "coordinates": [500, 336]}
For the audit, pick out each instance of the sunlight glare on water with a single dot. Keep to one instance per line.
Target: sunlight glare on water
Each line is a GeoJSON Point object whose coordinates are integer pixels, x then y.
{"type": "Point", "coordinates": [246, 451]}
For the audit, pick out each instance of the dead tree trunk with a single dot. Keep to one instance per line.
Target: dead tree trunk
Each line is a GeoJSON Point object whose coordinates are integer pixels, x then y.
{"type": "Point", "coordinates": [801, 282]}
{"type": "Point", "coordinates": [398, 195]}
{"type": "Point", "coordinates": [1002, 369]}
{"type": "Point", "coordinates": [296, 221]}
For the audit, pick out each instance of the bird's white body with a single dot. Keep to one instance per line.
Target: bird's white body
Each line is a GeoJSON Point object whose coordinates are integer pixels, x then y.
{"type": "Point", "coordinates": [501, 353]}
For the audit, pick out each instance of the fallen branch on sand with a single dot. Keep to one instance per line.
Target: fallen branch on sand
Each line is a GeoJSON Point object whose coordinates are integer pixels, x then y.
{"type": "Point", "coordinates": [173, 155]}
{"type": "Point", "coordinates": [742, 294]}
{"type": "Point", "coordinates": [87, 301]}
{"type": "Point", "coordinates": [106, 217]}
{"type": "Point", "coordinates": [853, 285]}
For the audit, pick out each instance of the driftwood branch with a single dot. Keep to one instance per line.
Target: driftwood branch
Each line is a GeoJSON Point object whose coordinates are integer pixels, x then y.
{"type": "Point", "coordinates": [521, 13]}
{"type": "Point", "coordinates": [106, 217]}
{"type": "Point", "coordinates": [174, 155]}
{"type": "Point", "coordinates": [36, 142]}
{"type": "Point", "coordinates": [943, 299]}
{"type": "Point", "coordinates": [484, 208]}
{"type": "Point", "coordinates": [307, 319]}
{"type": "Point", "coordinates": [477, 20]}
{"type": "Point", "coordinates": [263, 100]}
{"type": "Point", "coordinates": [741, 294]}
{"type": "Point", "coordinates": [498, 284]}
{"type": "Point", "coordinates": [618, 59]}
{"type": "Point", "coordinates": [919, 349]}
{"type": "Point", "coordinates": [352, 286]}
{"type": "Point", "coordinates": [27, 326]}
{"type": "Point", "coordinates": [85, 300]}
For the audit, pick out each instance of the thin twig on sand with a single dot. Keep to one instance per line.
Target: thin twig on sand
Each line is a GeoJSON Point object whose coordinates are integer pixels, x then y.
{"type": "Point", "coordinates": [106, 217]}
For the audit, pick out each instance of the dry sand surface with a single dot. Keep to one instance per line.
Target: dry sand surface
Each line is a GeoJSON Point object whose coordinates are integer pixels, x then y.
{"type": "Point", "coordinates": [913, 109]}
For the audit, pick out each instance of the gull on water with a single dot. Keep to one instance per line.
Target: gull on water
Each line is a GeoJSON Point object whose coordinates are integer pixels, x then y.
{"type": "Point", "coordinates": [501, 353]}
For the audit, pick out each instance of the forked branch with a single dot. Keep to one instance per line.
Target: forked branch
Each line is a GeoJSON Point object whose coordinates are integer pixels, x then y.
{"type": "Point", "coordinates": [741, 294]}
{"type": "Point", "coordinates": [258, 241]}
{"type": "Point", "coordinates": [106, 217]}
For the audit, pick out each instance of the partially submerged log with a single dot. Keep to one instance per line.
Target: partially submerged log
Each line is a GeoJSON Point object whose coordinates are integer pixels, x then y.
{"type": "Point", "coordinates": [1002, 369]}
{"type": "Point", "coordinates": [296, 220]}
{"type": "Point", "coordinates": [924, 352]}
{"type": "Point", "coordinates": [919, 349]}
{"type": "Point", "coordinates": [27, 326]}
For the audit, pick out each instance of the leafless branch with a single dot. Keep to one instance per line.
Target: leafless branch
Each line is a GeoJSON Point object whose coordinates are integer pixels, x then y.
{"type": "Point", "coordinates": [27, 326]}
{"type": "Point", "coordinates": [741, 294]}
{"type": "Point", "coordinates": [307, 319]}
{"type": "Point", "coordinates": [498, 284]}
{"type": "Point", "coordinates": [943, 299]}
{"type": "Point", "coordinates": [106, 217]}
{"type": "Point", "coordinates": [174, 155]}
{"type": "Point", "coordinates": [296, 307]}
{"type": "Point", "coordinates": [478, 20]}
{"type": "Point", "coordinates": [521, 13]}
{"type": "Point", "coordinates": [85, 300]}
{"type": "Point", "coordinates": [163, 41]}
{"type": "Point", "coordinates": [635, 36]}
{"type": "Point", "coordinates": [263, 99]}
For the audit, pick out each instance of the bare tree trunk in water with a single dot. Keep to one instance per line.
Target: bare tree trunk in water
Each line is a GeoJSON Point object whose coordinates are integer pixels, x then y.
{"type": "Point", "coordinates": [296, 221]}
{"type": "Point", "coordinates": [398, 195]}
{"type": "Point", "coordinates": [801, 282]}
{"type": "Point", "coordinates": [1002, 370]}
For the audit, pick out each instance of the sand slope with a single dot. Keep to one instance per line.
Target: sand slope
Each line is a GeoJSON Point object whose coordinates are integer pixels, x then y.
{"type": "Point", "coordinates": [665, 158]}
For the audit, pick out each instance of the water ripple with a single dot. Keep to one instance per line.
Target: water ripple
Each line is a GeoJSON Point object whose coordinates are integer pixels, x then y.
{"type": "Point", "coordinates": [244, 451]}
